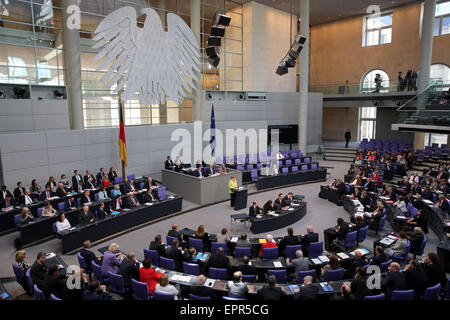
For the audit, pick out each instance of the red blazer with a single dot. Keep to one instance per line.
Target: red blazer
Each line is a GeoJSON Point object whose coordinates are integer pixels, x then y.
{"type": "Point", "coordinates": [267, 245]}
{"type": "Point", "coordinates": [105, 183]}
{"type": "Point", "coordinates": [376, 178]}
{"type": "Point", "coordinates": [150, 277]}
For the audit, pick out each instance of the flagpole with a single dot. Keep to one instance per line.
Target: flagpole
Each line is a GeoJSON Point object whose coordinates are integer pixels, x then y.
{"type": "Point", "coordinates": [121, 117]}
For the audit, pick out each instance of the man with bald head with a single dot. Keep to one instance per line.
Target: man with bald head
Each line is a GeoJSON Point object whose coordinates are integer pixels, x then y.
{"type": "Point", "coordinates": [393, 280]}
{"type": "Point", "coordinates": [85, 216]}
{"type": "Point", "coordinates": [359, 261]}
{"type": "Point", "coordinates": [307, 238]}
{"type": "Point", "coordinates": [202, 291]}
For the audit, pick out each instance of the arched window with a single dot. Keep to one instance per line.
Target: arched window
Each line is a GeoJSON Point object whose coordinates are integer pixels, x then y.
{"type": "Point", "coordinates": [439, 71]}
{"type": "Point", "coordinates": [368, 84]}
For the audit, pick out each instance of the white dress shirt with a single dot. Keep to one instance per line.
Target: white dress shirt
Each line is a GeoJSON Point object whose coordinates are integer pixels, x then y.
{"type": "Point", "coordinates": [61, 226]}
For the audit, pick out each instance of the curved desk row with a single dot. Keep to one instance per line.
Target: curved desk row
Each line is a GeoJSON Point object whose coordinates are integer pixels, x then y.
{"type": "Point", "coordinates": [73, 239]}
{"type": "Point", "coordinates": [319, 174]}
{"type": "Point", "coordinates": [286, 218]}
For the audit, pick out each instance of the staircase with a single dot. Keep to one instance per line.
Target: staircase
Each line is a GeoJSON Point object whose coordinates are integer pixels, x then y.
{"type": "Point", "coordinates": [339, 154]}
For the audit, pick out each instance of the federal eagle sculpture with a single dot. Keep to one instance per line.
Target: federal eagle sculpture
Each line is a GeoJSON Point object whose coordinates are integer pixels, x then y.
{"type": "Point", "coordinates": [148, 61]}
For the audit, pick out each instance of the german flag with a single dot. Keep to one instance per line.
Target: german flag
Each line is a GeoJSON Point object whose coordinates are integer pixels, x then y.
{"type": "Point", "coordinates": [122, 141]}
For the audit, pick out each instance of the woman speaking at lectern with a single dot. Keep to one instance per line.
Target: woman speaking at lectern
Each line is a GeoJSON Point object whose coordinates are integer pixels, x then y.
{"type": "Point", "coordinates": [231, 186]}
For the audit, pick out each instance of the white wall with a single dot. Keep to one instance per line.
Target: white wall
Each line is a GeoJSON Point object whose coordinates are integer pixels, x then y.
{"type": "Point", "coordinates": [24, 115]}
{"type": "Point", "coordinates": [266, 40]}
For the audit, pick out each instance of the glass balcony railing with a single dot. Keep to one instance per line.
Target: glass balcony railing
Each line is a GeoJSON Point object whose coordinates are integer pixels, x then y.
{"type": "Point", "coordinates": [428, 107]}
{"type": "Point", "coordinates": [360, 88]}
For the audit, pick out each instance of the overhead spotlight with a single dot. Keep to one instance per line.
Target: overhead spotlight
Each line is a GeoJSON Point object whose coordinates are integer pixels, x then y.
{"type": "Point", "coordinates": [282, 69]}
{"type": "Point", "coordinates": [217, 31]}
{"type": "Point", "coordinates": [214, 41]}
{"type": "Point", "coordinates": [290, 59]}
{"type": "Point", "coordinates": [290, 63]}
{"type": "Point", "coordinates": [293, 54]}
{"type": "Point", "coordinates": [214, 61]}
{"type": "Point", "coordinates": [221, 19]}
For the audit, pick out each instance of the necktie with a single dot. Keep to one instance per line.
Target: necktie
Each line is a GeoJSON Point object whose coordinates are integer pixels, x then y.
{"type": "Point", "coordinates": [118, 204]}
{"type": "Point", "coordinates": [48, 195]}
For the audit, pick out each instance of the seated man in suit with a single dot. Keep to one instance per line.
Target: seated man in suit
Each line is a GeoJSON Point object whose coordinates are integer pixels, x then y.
{"type": "Point", "coordinates": [61, 191]}
{"type": "Point", "coordinates": [201, 290]}
{"type": "Point", "coordinates": [87, 176]}
{"type": "Point", "coordinates": [365, 201]}
{"type": "Point", "coordinates": [8, 203]}
{"type": "Point", "coordinates": [130, 187]}
{"type": "Point", "coordinates": [65, 182]}
{"type": "Point", "coordinates": [86, 197]}
{"type": "Point", "coordinates": [85, 216]}
{"type": "Point", "coordinates": [19, 191]}
{"type": "Point", "coordinates": [131, 201]}
{"type": "Point", "coordinates": [54, 283]}
{"type": "Point", "coordinates": [359, 284]}
{"type": "Point", "coordinates": [26, 199]}
{"type": "Point", "coordinates": [427, 194]}
{"type": "Point", "coordinates": [359, 261]}
{"type": "Point", "coordinates": [174, 252]}
{"type": "Point", "coordinates": [278, 203]}
{"type": "Point", "coordinates": [379, 257]}
{"type": "Point", "coordinates": [149, 184]}
{"type": "Point", "coordinates": [38, 270]}
{"type": "Point", "coordinates": [393, 280]}
{"type": "Point", "coordinates": [96, 292]}
{"type": "Point", "coordinates": [254, 211]}
{"type": "Point", "coordinates": [198, 172]}
{"type": "Point", "coordinates": [210, 170]}
{"type": "Point", "coordinates": [243, 241]}
{"type": "Point", "coordinates": [220, 260]}
{"type": "Point", "coordinates": [148, 197]}
{"type": "Point", "coordinates": [289, 240]}
{"type": "Point", "coordinates": [271, 292]}
{"type": "Point", "coordinates": [341, 229]}
{"type": "Point", "coordinates": [116, 203]}
{"type": "Point", "coordinates": [90, 183]}
{"type": "Point", "coordinates": [169, 163]}
{"type": "Point", "coordinates": [70, 204]}
{"type": "Point", "coordinates": [5, 192]}
{"type": "Point", "coordinates": [89, 256]}
{"type": "Point", "coordinates": [287, 201]}
{"type": "Point", "coordinates": [173, 232]}
{"type": "Point", "coordinates": [246, 268]}
{"type": "Point", "coordinates": [158, 246]}
{"type": "Point", "coordinates": [46, 194]}
{"type": "Point", "coordinates": [308, 291]}
{"type": "Point", "coordinates": [307, 238]}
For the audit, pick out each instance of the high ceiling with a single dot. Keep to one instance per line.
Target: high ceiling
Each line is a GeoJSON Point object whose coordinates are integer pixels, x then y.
{"type": "Point", "coordinates": [323, 11]}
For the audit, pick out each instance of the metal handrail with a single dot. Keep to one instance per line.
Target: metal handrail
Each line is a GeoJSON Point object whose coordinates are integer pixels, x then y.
{"type": "Point", "coordinates": [417, 95]}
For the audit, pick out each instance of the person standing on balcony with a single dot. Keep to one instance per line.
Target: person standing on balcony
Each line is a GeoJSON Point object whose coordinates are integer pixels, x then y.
{"type": "Point", "coordinates": [378, 80]}
{"type": "Point", "coordinates": [347, 136]}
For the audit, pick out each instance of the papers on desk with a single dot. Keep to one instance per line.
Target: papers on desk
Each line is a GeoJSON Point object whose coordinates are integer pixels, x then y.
{"type": "Point", "coordinates": [209, 283]}
{"type": "Point", "coordinates": [294, 288]}
{"type": "Point", "coordinates": [296, 204]}
{"type": "Point", "coordinates": [316, 261]}
{"type": "Point", "coordinates": [323, 259]}
{"type": "Point", "coordinates": [126, 209]}
{"type": "Point", "coordinates": [71, 228]}
{"type": "Point", "coordinates": [171, 197]}
{"type": "Point", "coordinates": [391, 237]}
{"type": "Point", "coordinates": [447, 223]}
{"type": "Point", "coordinates": [148, 204]}
{"type": "Point", "coordinates": [342, 255]}
{"type": "Point", "coordinates": [181, 278]}
{"type": "Point", "coordinates": [60, 266]}
{"type": "Point", "coordinates": [386, 241]}
{"type": "Point", "coordinates": [88, 203]}
{"type": "Point", "coordinates": [384, 198]}
{"type": "Point", "coordinates": [428, 201]}
{"type": "Point", "coordinates": [262, 241]}
{"type": "Point", "coordinates": [291, 209]}
{"type": "Point", "coordinates": [234, 239]}
{"type": "Point", "coordinates": [326, 287]}
{"type": "Point", "coordinates": [4, 295]}
{"type": "Point", "coordinates": [361, 250]}
{"type": "Point", "coordinates": [401, 217]}
{"type": "Point", "coordinates": [50, 255]}
{"type": "Point", "coordinates": [356, 202]}
{"type": "Point", "coordinates": [53, 198]}
{"type": "Point", "coordinates": [202, 256]}
{"type": "Point", "coordinates": [277, 264]}
{"type": "Point", "coordinates": [274, 214]}
{"type": "Point", "coordinates": [115, 213]}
